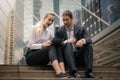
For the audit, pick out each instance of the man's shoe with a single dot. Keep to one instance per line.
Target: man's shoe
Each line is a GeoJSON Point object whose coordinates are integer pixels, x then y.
{"type": "Point", "coordinates": [62, 75]}
{"type": "Point", "coordinates": [90, 75]}
{"type": "Point", "coordinates": [77, 75]}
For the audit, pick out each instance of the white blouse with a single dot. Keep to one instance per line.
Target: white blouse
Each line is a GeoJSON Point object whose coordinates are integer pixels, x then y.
{"type": "Point", "coordinates": [36, 42]}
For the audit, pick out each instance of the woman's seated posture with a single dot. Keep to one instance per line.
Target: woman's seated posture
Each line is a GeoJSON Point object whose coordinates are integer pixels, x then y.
{"type": "Point", "coordinates": [41, 47]}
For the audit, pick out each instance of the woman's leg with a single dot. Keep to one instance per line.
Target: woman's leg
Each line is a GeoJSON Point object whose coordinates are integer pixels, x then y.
{"type": "Point", "coordinates": [60, 58]}
{"type": "Point", "coordinates": [62, 67]}
{"type": "Point", "coordinates": [53, 59]}
{"type": "Point", "coordinates": [56, 67]}
{"type": "Point", "coordinates": [59, 68]}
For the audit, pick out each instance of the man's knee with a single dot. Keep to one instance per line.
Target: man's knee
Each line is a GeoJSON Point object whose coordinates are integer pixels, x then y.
{"type": "Point", "coordinates": [68, 45]}
{"type": "Point", "coordinates": [88, 46]}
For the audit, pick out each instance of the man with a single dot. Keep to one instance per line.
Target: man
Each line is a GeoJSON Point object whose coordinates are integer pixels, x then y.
{"type": "Point", "coordinates": [76, 45]}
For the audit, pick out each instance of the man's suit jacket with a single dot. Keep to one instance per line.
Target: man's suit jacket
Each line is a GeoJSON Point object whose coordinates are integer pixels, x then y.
{"type": "Point", "coordinates": [79, 33]}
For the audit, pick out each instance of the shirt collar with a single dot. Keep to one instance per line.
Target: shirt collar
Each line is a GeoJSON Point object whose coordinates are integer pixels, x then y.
{"type": "Point", "coordinates": [69, 29]}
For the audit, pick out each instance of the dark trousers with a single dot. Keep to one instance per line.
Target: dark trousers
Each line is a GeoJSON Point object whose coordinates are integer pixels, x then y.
{"type": "Point", "coordinates": [42, 56]}
{"type": "Point", "coordinates": [83, 56]}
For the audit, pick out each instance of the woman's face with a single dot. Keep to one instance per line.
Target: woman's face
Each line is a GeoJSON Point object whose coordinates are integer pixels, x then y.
{"type": "Point", "coordinates": [48, 20]}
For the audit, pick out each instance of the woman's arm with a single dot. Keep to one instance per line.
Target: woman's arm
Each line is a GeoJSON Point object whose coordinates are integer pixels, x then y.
{"type": "Point", "coordinates": [32, 44]}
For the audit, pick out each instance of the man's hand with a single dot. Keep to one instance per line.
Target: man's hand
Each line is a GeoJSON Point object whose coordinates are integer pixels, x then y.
{"type": "Point", "coordinates": [79, 43]}
{"type": "Point", "coordinates": [71, 40]}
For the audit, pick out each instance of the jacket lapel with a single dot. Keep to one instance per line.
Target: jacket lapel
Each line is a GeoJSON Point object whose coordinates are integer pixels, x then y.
{"type": "Point", "coordinates": [76, 29]}
{"type": "Point", "coordinates": [64, 33]}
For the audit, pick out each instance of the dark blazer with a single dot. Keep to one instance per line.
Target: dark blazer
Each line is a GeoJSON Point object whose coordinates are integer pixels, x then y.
{"type": "Point", "coordinates": [79, 33]}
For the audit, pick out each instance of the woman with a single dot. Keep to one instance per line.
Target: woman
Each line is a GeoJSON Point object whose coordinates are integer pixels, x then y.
{"type": "Point", "coordinates": [41, 48]}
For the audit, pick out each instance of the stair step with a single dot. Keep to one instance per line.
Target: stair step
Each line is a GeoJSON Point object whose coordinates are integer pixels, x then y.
{"type": "Point", "coordinates": [51, 73]}
{"type": "Point", "coordinates": [24, 72]}
{"type": "Point", "coordinates": [25, 67]}
{"type": "Point", "coordinates": [59, 79]}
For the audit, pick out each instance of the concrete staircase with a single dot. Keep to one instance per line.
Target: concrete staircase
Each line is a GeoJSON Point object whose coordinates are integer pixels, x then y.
{"type": "Point", "coordinates": [23, 72]}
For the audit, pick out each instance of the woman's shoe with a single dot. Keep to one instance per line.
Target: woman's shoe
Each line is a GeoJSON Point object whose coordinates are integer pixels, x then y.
{"type": "Point", "coordinates": [62, 75]}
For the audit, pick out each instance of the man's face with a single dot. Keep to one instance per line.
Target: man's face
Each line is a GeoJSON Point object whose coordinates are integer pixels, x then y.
{"type": "Point", "coordinates": [67, 20]}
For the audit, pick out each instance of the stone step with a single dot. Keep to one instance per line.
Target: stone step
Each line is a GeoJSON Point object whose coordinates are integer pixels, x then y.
{"type": "Point", "coordinates": [25, 67]}
{"type": "Point", "coordinates": [24, 72]}
{"type": "Point", "coordinates": [51, 73]}
{"type": "Point", "coordinates": [59, 79]}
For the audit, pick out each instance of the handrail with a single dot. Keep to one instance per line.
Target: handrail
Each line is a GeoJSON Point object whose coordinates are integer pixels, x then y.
{"type": "Point", "coordinates": [91, 13]}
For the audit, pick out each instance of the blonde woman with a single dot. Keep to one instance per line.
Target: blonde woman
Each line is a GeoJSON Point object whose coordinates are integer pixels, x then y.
{"type": "Point", "coordinates": [41, 49]}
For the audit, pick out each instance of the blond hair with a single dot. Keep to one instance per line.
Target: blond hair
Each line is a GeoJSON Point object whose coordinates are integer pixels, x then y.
{"type": "Point", "coordinates": [40, 25]}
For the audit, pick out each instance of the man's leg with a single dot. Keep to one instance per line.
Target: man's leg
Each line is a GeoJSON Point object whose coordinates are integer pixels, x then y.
{"type": "Point", "coordinates": [70, 59]}
{"type": "Point", "coordinates": [88, 57]}
{"type": "Point", "coordinates": [69, 56]}
{"type": "Point", "coordinates": [88, 60]}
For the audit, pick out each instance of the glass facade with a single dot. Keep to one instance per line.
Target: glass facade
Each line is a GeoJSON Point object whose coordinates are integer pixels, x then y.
{"type": "Point", "coordinates": [110, 10]}
{"type": "Point", "coordinates": [4, 13]}
{"type": "Point", "coordinates": [11, 36]}
{"type": "Point", "coordinates": [34, 10]}
{"type": "Point", "coordinates": [19, 24]}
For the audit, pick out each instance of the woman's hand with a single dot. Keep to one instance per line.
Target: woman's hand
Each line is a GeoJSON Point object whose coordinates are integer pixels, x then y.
{"type": "Point", "coordinates": [46, 44]}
